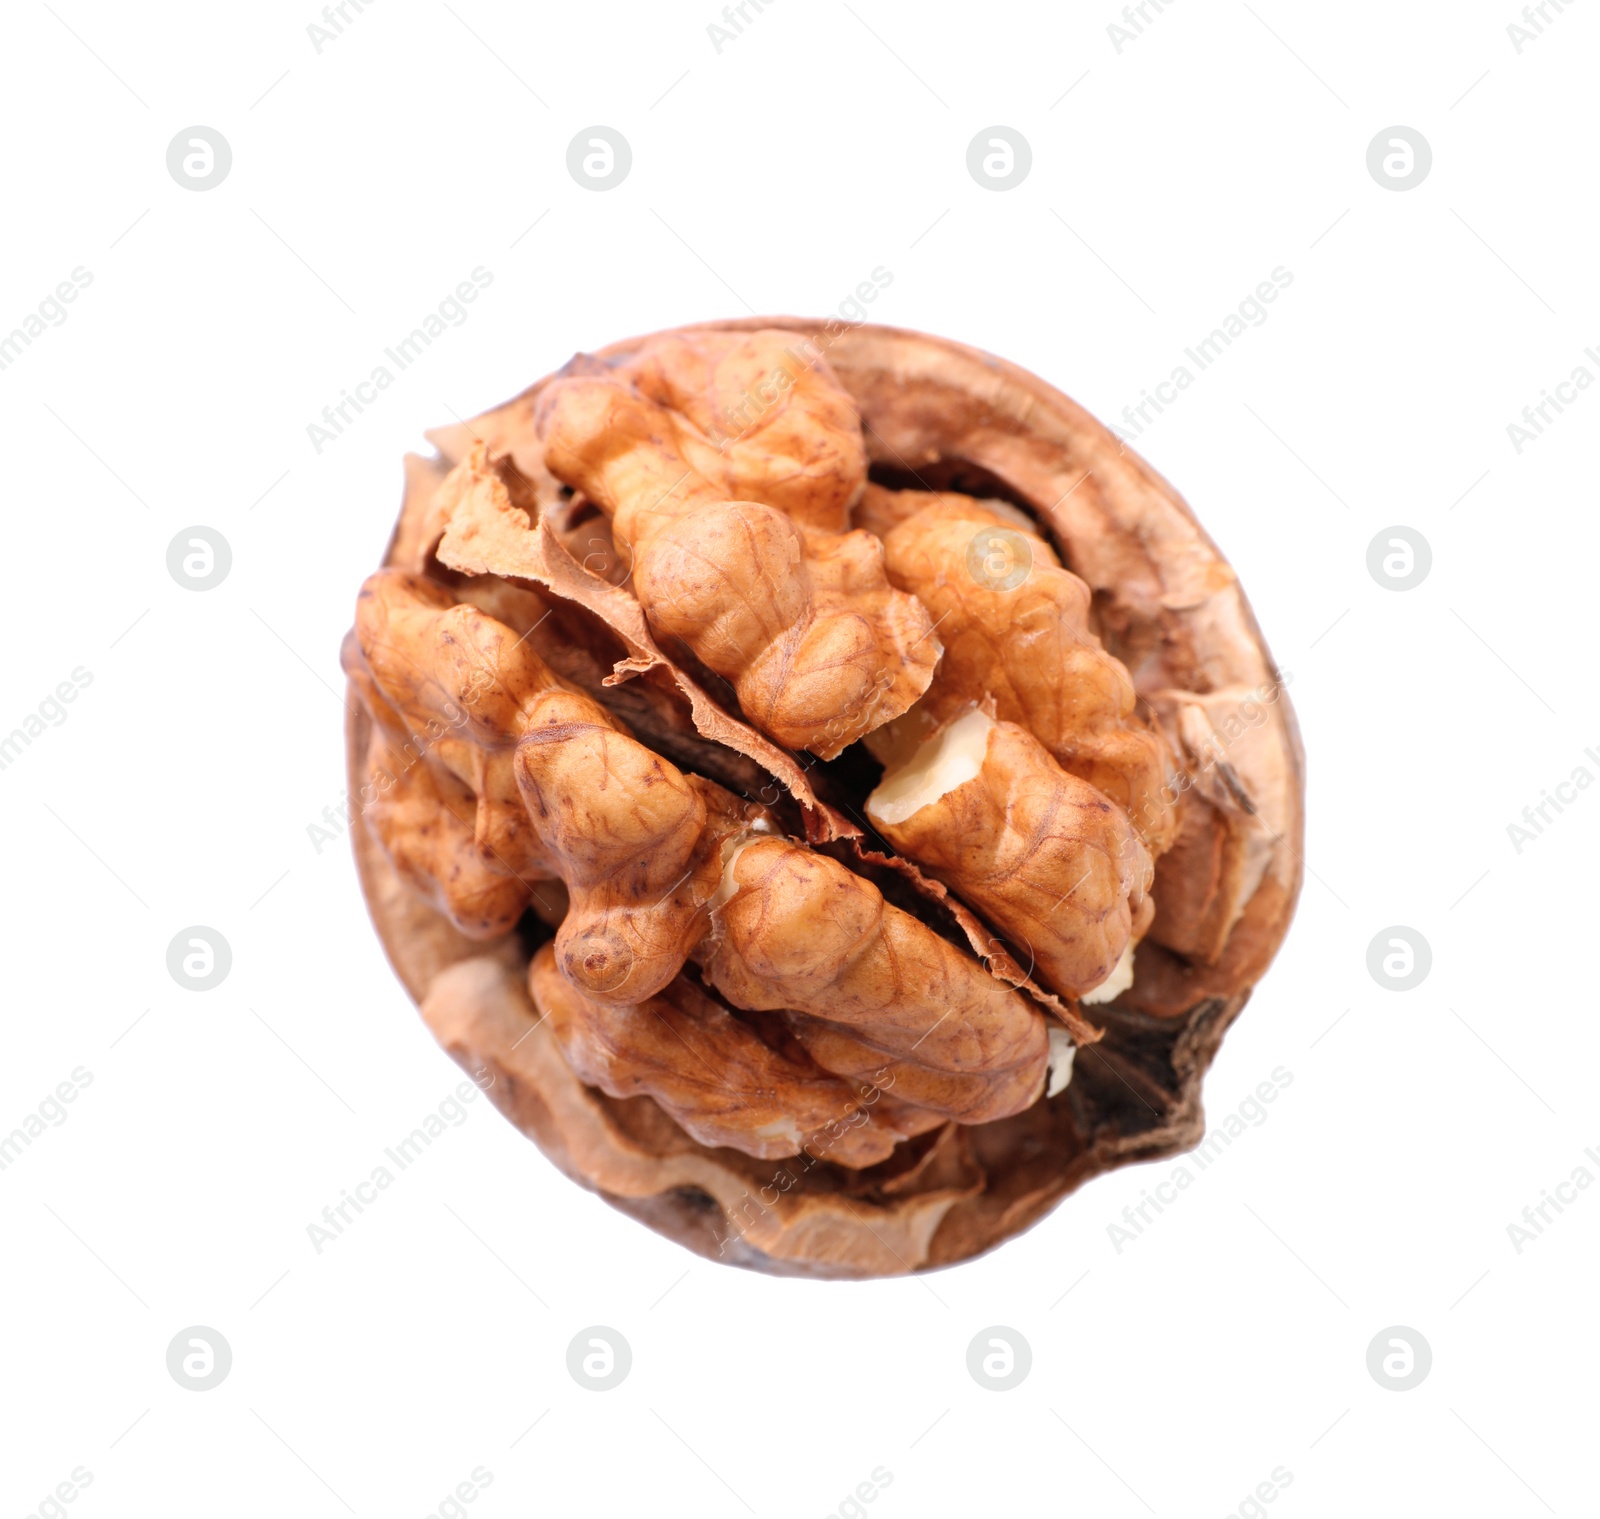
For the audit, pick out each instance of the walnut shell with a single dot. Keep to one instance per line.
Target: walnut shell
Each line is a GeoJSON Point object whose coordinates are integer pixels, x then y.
{"type": "Point", "coordinates": [936, 417]}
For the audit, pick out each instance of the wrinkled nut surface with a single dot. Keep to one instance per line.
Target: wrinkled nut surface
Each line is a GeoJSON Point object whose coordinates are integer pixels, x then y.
{"type": "Point", "coordinates": [1053, 863]}
{"type": "Point", "coordinates": [728, 467]}
{"type": "Point", "coordinates": [837, 792]}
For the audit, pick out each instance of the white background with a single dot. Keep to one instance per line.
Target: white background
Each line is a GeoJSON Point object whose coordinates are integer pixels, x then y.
{"type": "Point", "coordinates": [1167, 181]}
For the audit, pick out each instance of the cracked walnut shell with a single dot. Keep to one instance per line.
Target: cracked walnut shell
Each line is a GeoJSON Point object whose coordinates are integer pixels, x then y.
{"type": "Point", "coordinates": [840, 793]}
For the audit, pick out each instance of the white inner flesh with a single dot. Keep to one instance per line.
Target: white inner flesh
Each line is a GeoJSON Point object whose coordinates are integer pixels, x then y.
{"type": "Point", "coordinates": [1015, 515]}
{"type": "Point", "coordinates": [1062, 1050]}
{"type": "Point", "coordinates": [782, 1128]}
{"type": "Point", "coordinates": [1114, 985]}
{"type": "Point", "coordinates": [951, 758]}
{"type": "Point", "coordinates": [732, 848]}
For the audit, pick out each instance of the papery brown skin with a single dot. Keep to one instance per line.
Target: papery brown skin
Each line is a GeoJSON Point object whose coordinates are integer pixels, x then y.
{"type": "Point", "coordinates": [560, 791]}
{"type": "Point", "coordinates": [443, 796]}
{"type": "Point", "coordinates": [429, 838]}
{"type": "Point", "coordinates": [478, 520]}
{"type": "Point", "coordinates": [881, 510]}
{"type": "Point", "coordinates": [484, 532]}
{"type": "Point", "coordinates": [1016, 629]}
{"type": "Point", "coordinates": [775, 595]}
{"type": "Point", "coordinates": [639, 843]}
{"type": "Point", "coordinates": [1043, 855]}
{"type": "Point", "coordinates": [765, 423]}
{"type": "Point", "coordinates": [803, 932]}
{"type": "Point", "coordinates": [640, 847]}
{"type": "Point", "coordinates": [719, 1080]}
{"type": "Point", "coordinates": [940, 1094]}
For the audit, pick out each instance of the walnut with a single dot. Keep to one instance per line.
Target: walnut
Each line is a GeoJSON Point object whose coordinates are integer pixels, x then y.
{"type": "Point", "coordinates": [839, 791]}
